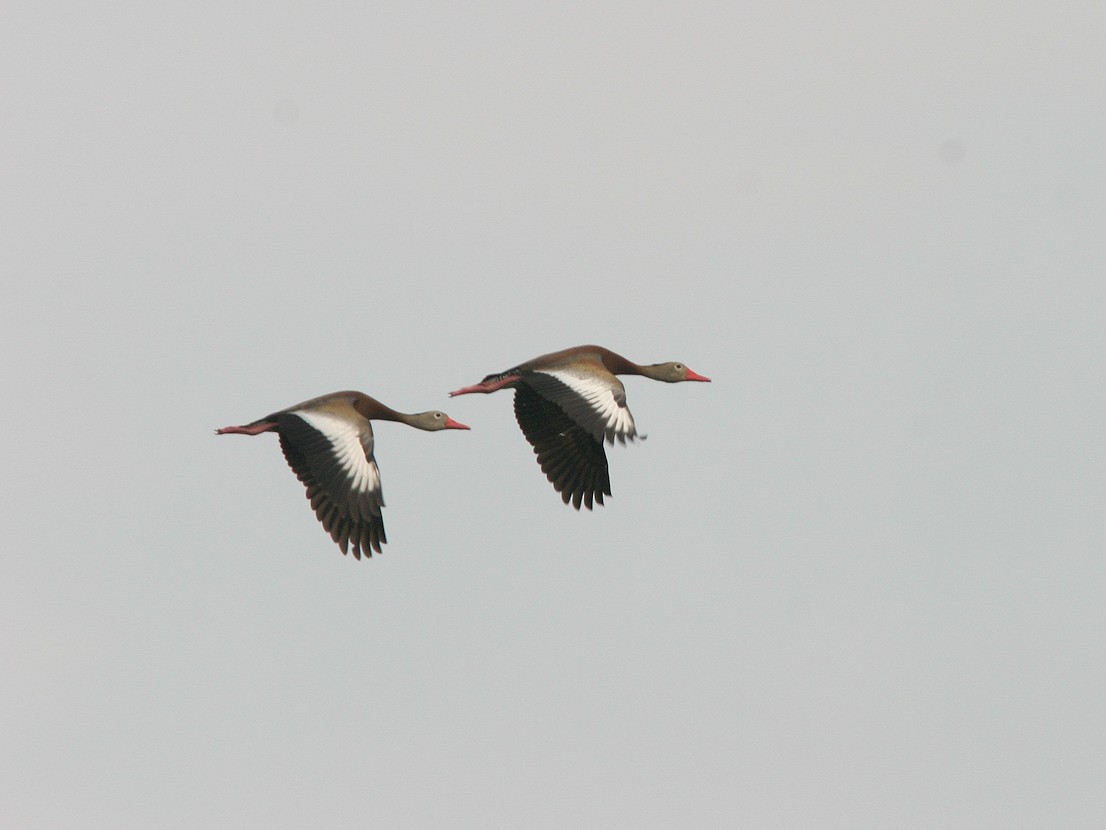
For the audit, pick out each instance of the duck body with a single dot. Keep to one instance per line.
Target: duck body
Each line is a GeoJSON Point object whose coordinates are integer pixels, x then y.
{"type": "Point", "coordinates": [328, 443]}
{"type": "Point", "coordinates": [568, 404]}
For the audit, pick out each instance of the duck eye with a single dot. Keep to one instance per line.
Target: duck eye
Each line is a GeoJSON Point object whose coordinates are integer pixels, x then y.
{"type": "Point", "coordinates": [679, 365]}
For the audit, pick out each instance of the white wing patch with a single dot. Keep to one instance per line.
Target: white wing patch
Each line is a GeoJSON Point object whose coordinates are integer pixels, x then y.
{"type": "Point", "coordinates": [345, 439]}
{"type": "Point", "coordinates": [596, 404]}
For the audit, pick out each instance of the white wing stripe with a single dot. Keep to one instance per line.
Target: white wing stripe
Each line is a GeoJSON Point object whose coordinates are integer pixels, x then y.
{"type": "Point", "coordinates": [346, 442]}
{"type": "Point", "coordinates": [598, 397]}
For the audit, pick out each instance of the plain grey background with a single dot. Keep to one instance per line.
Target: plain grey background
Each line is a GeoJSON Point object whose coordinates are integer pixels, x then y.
{"type": "Point", "coordinates": [857, 581]}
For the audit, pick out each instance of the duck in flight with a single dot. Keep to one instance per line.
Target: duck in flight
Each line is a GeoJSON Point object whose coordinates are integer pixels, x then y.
{"type": "Point", "coordinates": [567, 404]}
{"type": "Point", "coordinates": [328, 443]}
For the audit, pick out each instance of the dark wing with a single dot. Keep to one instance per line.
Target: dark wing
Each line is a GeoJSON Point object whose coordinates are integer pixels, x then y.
{"type": "Point", "coordinates": [572, 460]}
{"type": "Point", "coordinates": [334, 460]}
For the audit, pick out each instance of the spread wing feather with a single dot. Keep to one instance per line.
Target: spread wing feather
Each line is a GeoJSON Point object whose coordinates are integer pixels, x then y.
{"type": "Point", "coordinates": [571, 458]}
{"type": "Point", "coordinates": [335, 463]}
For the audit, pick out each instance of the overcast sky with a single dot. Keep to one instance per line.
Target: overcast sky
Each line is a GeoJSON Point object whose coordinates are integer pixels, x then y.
{"type": "Point", "coordinates": [856, 582]}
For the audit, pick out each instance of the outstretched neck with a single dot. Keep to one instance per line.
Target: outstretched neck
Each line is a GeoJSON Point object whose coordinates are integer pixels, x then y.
{"type": "Point", "coordinates": [654, 371]}
{"type": "Point", "coordinates": [616, 364]}
{"type": "Point", "coordinates": [374, 410]}
{"type": "Point", "coordinates": [415, 420]}
{"type": "Point", "coordinates": [418, 420]}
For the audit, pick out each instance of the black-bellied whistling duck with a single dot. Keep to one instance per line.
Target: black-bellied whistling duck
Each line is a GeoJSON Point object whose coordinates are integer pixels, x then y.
{"type": "Point", "coordinates": [567, 403]}
{"type": "Point", "coordinates": [328, 442]}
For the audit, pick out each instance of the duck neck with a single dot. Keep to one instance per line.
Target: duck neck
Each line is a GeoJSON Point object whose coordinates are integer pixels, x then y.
{"type": "Point", "coordinates": [652, 371]}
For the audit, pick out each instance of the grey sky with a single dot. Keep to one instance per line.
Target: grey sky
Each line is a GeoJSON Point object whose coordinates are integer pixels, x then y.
{"type": "Point", "coordinates": [857, 581]}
